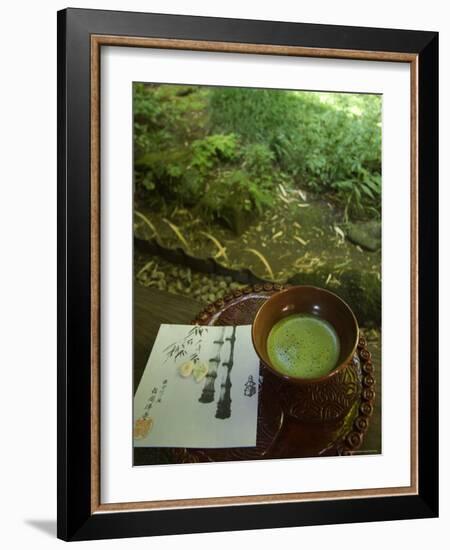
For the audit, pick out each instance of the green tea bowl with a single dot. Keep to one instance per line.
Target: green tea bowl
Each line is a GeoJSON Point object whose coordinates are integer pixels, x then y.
{"type": "Point", "coordinates": [316, 304]}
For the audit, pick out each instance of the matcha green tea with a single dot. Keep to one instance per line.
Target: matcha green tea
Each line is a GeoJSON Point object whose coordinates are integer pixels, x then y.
{"type": "Point", "coordinates": [303, 345]}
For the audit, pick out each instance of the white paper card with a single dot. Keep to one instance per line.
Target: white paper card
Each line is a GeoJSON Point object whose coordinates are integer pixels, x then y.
{"type": "Point", "coordinates": [178, 405]}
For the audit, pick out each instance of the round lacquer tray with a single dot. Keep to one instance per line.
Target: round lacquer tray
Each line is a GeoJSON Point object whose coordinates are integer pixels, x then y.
{"type": "Point", "coordinates": [295, 421]}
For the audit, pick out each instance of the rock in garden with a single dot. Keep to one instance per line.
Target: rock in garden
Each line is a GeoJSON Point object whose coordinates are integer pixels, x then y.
{"type": "Point", "coordinates": [366, 234]}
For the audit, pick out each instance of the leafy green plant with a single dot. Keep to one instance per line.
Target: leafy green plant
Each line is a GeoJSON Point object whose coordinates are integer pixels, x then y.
{"type": "Point", "coordinates": [234, 197]}
{"type": "Point", "coordinates": [360, 194]}
{"type": "Point", "coordinates": [220, 149]}
{"type": "Point", "coordinates": [208, 151]}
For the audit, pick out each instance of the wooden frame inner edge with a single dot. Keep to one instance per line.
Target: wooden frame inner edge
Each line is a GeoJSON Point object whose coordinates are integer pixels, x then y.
{"type": "Point", "coordinates": [110, 40]}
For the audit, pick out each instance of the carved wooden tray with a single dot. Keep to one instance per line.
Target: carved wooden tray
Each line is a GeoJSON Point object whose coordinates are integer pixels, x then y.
{"type": "Point", "coordinates": [295, 422]}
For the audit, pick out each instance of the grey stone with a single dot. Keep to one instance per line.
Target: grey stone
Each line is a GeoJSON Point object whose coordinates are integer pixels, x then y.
{"type": "Point", "coordinates": [365, 234]}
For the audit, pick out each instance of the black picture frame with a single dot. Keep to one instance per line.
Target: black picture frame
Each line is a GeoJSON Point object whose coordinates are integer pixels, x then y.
{"type": "Point", "coordinates": [76, 518]}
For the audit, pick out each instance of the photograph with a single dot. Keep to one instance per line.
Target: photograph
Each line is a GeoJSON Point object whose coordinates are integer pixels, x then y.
{"type": "Point", "coordinates": [224, 258]}
{"type": "Point", "coordinates": [247, 273]}
{"type": "Point", "coordinates": [257, 218]}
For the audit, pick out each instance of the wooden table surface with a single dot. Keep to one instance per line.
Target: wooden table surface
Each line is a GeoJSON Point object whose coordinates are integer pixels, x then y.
{"type": "Point", "coordinates": [153, 307]}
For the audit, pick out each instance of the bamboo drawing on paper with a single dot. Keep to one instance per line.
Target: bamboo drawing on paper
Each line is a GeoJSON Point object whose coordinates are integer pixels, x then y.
{"type": "Point", "coordinates": [208, 392]}
{"type": "Point", "coordinates": [224, 403]}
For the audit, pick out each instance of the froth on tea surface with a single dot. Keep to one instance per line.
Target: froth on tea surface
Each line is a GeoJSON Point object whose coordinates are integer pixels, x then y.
{"type": "Point", "coordinates": [303, 345]}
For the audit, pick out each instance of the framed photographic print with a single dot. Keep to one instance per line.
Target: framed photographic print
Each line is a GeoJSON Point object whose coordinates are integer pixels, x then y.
{"type": "Point", "coordinates": [247, 255]}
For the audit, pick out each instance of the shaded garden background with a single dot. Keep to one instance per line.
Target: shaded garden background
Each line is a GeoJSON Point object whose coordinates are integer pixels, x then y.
{"type": "Point", "coordinates": [234, 185]}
